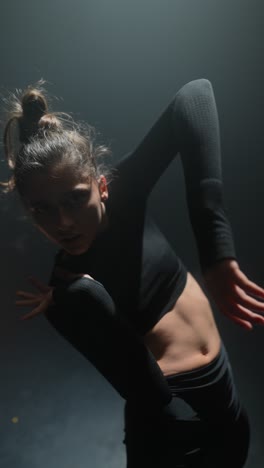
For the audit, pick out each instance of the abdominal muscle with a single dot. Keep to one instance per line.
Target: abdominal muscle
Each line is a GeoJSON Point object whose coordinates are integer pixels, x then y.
{"type": "Point", "coordinates": [186, 337]}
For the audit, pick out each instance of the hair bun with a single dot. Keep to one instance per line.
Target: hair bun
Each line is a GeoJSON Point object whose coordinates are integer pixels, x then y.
{"type": "Point", "coordinates": [50, 122]}
{"type": "Point", "coordinates": [34, 105]}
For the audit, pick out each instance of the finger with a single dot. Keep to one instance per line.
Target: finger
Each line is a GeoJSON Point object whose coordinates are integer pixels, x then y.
{"type": "Point", "coordinates": [25, 294]}
{"type": "Point", "coordinates": [249, 301]}
{"type": "Point", "coordinates": [253, 288]}
{"type": "Point", "coordinates": [38, 310]}
{"type": "Point", "coordinates": [32, 314]}
{"type": "Point", "coordinates": [27, 302]}
{"type": "Point", "coordinates": [243, 323]}
{"type": "Point", "coordinates": [41, 286]}
{"type": "Point", "coordinates": [248, 315]}
{"type": "Point", "coordinates": [229, 312]}
{"type": "Point", "coordinates": [245, 283]}
{"type": "Point", "coordinates": [245, 318]}
{"type": "Point", "coordinates": [29, 315]}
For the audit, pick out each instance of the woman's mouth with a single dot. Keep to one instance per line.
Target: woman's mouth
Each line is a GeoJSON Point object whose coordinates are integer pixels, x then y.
{"type": "Point", "coordinates": [71, 240]}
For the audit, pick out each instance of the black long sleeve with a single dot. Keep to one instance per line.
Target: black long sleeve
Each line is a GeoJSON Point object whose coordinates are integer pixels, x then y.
{"type": "Point", "coordinates": [85, 315]}
{"type": "Point", "coordinates": [188, 126]}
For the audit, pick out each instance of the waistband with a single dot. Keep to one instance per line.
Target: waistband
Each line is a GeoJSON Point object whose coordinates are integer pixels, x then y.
{"type": "Point", "coordinates": [201, 376]}
{"type": "Point", "coordinates": [210, 387]}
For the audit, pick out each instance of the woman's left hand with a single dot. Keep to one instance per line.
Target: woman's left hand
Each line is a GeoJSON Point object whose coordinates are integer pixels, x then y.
{"type": "Point", "coordinates": [232, 292]}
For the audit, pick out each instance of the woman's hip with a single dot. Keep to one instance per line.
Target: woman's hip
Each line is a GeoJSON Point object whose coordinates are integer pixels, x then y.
{"type": "Point", "coordinates": [204, 423]}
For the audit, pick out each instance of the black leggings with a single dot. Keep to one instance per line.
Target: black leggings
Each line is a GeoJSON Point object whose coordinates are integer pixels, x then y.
{"type": "Point", "coordinates": [204, 425]}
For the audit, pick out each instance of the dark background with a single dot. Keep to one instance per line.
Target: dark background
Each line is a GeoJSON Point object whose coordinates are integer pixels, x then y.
{"type": "Point", "coordinates": [117, 64]}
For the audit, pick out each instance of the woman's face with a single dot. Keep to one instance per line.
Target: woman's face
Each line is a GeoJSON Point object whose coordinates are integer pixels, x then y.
{"type": "Point", "coordinates": [63, 204]}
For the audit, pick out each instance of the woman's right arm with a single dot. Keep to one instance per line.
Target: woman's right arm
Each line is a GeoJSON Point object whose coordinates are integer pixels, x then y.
{"type": "Point", "coordinates": [85, 315]}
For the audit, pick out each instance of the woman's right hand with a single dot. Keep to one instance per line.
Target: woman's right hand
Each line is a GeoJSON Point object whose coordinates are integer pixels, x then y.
{"type": "Point", "coordinates": [42, 300]}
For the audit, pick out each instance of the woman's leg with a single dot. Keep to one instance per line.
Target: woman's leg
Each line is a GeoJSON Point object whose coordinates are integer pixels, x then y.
{"type": "Point", "coordinates": [163, 440]}
{"type": "Point", "coordinates": [211, 392]}
{"type": "Point", "coordinates": [234, 450]}
{"type": "Point", "coordinates": [204, 426]}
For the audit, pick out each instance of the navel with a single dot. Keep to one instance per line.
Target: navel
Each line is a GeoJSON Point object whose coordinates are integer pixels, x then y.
{"type": "Point", "coordinates": [204, 350]}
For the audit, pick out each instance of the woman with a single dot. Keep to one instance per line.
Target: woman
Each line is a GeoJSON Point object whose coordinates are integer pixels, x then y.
{"type": "Point", "coordinates": [118, 292]}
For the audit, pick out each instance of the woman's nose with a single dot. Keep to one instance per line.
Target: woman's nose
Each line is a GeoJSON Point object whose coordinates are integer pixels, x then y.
{"type": "Point", "coordinates": [65, 217]}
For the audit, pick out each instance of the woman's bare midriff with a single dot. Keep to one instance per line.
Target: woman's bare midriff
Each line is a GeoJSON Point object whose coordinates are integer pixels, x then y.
{"type": "Point", "coordinates": [186, 337]}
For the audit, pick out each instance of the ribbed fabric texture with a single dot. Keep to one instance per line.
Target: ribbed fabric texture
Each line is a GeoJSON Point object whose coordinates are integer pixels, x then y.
{"type": "Point", "coordinates": [196, 124]}
{"type": "Point", "coordinates": [189, 126]}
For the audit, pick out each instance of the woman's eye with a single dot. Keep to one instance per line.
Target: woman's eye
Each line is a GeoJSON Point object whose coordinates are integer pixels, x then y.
{"type": "Point", "coordinates": [39, 209]}
{"type": "Point", "coordinates": [74, 200]}
{"type": "Point", "coordinates": [78, 197]}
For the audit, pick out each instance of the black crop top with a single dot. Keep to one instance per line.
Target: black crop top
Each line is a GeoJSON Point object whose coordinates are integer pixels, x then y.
{"type": "Point", "coordinates": [132, 258]}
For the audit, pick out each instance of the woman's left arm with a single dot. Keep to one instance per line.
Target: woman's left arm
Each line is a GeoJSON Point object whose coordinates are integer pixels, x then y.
{"type": "Point", "coordinates": [232, 292]}
{"type": "Point", "coordinates": [190, 126]}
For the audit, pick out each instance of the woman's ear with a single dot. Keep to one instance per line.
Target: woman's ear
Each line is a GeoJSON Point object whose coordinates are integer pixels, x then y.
{"type": "Point", "coordinates": [103, 189]}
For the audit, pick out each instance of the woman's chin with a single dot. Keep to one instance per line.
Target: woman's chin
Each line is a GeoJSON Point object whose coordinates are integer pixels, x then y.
{"type": "Point", "coordinates": [76, 251]}
{"type": "Point", "coordinates": [77, 247]}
